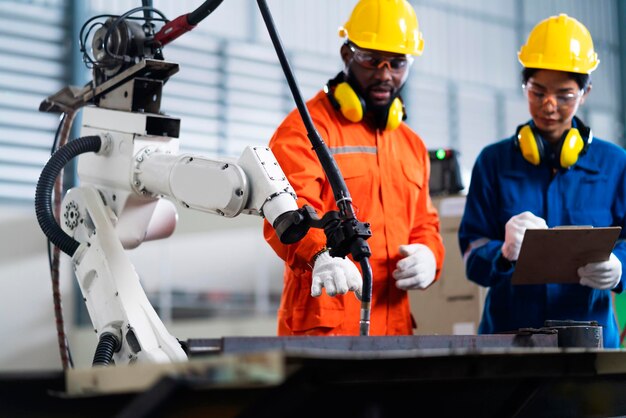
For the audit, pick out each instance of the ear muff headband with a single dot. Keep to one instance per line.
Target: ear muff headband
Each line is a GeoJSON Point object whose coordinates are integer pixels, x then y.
{"type": "Point", "coordinates": [352, 106]}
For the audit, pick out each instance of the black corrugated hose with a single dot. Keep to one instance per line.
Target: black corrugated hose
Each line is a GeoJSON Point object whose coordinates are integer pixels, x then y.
{"type": "Point", "coordinates": [45, 185]}
{"type": "Point", "coordinates": [107, 345]}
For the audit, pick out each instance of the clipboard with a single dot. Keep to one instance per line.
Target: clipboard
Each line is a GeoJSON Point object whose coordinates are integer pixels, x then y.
{"type": "Point", "coordinates": [554, 255]}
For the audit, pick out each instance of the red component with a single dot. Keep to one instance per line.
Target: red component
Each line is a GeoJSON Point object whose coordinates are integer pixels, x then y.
{"type": "Point", "coordinates": [173, 29]}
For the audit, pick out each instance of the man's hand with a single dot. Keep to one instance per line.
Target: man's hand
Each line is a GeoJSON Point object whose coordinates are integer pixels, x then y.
{"type": "Point", "coordinates": [514, 232]}
{"type": "Point", "coordinates": [601, 275]}
{"type": "Point", "coordinates": [338, 275]}
{"type": "Point", "coordinates": [417, 268]}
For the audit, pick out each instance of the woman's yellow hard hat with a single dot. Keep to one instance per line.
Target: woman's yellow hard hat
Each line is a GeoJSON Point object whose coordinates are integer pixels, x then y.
{"type": "Point", "coordinates": [559, 43]}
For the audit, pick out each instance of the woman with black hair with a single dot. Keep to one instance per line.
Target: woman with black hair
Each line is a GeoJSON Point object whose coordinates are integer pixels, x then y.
{"type": "Point", "coordinates": [551, 172]}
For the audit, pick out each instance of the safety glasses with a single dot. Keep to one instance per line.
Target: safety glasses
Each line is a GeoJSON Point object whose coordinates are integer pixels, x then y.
{"type": "Point", "coordinates": [538, 96]}
{"type": "Point", "coordinates": [373, 61]}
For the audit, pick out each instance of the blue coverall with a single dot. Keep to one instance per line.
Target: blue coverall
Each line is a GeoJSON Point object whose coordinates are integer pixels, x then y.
{"type": "Point", "coordinates": [504, 184]}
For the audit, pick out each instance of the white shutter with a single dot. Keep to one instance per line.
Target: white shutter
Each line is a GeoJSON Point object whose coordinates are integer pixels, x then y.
{"type": "Point", "coordinates": [33, 48]}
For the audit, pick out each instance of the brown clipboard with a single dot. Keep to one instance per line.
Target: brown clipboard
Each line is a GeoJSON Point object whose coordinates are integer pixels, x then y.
{"type": "Point", "coordinates": [554, 255]}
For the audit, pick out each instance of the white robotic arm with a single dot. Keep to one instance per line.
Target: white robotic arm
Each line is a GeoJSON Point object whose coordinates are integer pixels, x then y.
{"type": "Point", "coordinates": [136, 167]}
{"type": "Point", "coordinates": [128, 161]}
{"type": "Point", "coordinates": [254, 184]}
{"type": "Point", "coordinates": [118, 205]}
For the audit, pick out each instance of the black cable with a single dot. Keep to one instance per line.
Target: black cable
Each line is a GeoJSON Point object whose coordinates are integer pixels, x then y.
{"type": "Point", "coordinates": [347, 234]}
{"type": "Point", "coordinates": [337, 183]}
{"type": "Point", "coordinates": [83, 37]}
{"type": "Point", "coordinates": [89, 61]}
{"type": "Point", "coordinates": [203, 11]}
{"type": "Point", "coordinates": [125, 58]}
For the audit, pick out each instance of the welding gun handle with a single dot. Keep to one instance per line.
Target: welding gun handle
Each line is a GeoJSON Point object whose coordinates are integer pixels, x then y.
{"type": "Point", "coordinates": [173, 29]}
{"type": "Point", "coordinates": [184, 23]}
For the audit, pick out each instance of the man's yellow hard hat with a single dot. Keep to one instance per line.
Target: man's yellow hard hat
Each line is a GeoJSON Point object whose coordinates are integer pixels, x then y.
{"type": "Point", "coordinates": [384, 25]}
{"type": "Point", "coordinates": [559, 43]}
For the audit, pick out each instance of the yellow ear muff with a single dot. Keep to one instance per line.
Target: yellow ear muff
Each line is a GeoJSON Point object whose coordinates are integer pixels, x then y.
{"type": "Point", "coordinates": [528, 145]}
{"type": "Point", "coordinates": [345, 99]}
{"type": "Point", "coordinates": [570, 150]}
{"type": "Point", "coordinates": [396, 114]}
{"type": "Point", "coordinates": [349, 102]}
{"type": "Point", "coordinates": [574, 143]}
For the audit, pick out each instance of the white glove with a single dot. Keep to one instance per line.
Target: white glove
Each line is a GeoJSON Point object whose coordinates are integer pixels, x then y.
{"type": "Point", "coordinates": [338, 275]}
{"type": "Point", "coordinates": [417, 269]}
{"type": "Point", "coordinates": [601, 275]}
{"type": "Point", "coordinates": [514, 231]}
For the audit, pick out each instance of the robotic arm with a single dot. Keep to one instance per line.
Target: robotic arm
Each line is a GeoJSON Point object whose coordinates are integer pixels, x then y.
{"type": "Point", "coordinates": [119, 205]}
{"type": "Point", "coordinates": [128, 161]}
{"type": "Point", "coordinates": [136, 166]}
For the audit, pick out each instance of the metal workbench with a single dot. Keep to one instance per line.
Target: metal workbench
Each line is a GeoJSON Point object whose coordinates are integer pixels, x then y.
{"type": "Point", "coordinates": [527, 374]}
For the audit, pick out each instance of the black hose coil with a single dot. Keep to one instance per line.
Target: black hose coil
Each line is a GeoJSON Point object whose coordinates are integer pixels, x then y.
{"type": "Point", "coordinates": [45, 186]}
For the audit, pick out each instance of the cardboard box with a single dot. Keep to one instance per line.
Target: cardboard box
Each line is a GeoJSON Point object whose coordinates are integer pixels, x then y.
{"type": "Point", "coordinates": [453, 305]}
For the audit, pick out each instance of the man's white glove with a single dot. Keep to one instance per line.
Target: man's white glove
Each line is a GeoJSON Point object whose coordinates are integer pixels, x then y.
{"type": "Point", "coordinates": [338, 275]}
{"type": "Point", "coordinates": [417, 268]}
{"type": "Point", "coordinates": [514, 231]}
{"type": "Point", "coordinates": [601, 275]}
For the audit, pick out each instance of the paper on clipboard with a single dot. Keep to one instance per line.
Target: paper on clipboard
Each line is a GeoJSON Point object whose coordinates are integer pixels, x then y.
{"type": "Point", "coordinates": [553, 255]}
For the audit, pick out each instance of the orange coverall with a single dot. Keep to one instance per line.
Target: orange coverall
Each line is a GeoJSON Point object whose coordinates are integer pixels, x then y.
{"type": "Point", "coordinates": [387, 176]}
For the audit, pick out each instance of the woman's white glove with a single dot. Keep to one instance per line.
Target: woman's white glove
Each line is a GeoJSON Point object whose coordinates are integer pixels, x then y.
{"type": "Point", "coordinates": [338, 275]}
{"type": "Point", "coordinates": [514, 231]}
{"type": "Point", "coordinates": [601, 275]}
{"type": "Point", "coordinates": [417, 268]}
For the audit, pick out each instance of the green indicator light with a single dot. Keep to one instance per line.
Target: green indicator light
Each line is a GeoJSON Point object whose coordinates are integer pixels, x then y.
{"type": "Point", "coordinates": [440, 154]}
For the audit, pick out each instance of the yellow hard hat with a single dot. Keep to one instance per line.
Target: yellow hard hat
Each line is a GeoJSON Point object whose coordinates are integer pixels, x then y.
{"type": "Point", "coordinates": [384, 25]}
{"type": "Point", "coordinates": [559, 43]}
